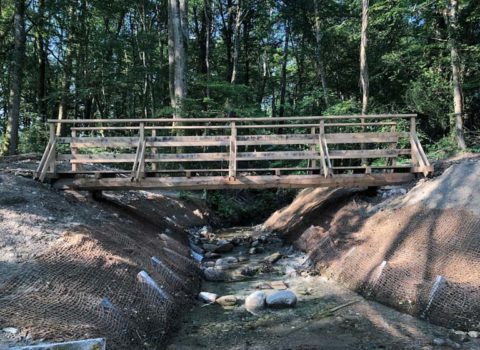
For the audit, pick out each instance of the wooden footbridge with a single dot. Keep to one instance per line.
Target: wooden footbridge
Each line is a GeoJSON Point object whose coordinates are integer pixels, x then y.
{"type": "Point", "coordinates": [223, 153]}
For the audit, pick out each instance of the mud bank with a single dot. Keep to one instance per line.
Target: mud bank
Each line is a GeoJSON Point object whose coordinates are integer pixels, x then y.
{"type": "Point", "coordinates": [415, 249]}
{"type": "Point", "coordinates": [75, 268]}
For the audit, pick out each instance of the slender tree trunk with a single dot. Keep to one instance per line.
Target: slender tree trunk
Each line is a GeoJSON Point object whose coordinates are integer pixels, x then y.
{"type": "Point", "coordinates": [10, 142]}
{"type": "Point", "coordinates": [246, 48]}
{"type": "Point", "coordinates": [41, 46]}
{"type": "Point", "coordinates": [236, 42]}
{"type": "Point", "coordinates": [363, 58]}
{"type": "Point", "coordinates": [318, 51]}
{"type": "Point", "coordinates": [283, 83]}
{"type": "Point", "coordinates": [456, 74]}
{"type": "Point", "coordinates": [227, 29]}
{"type": "Point", "coordinates": [364, 67]}
{"type": "Point", "coordinates": [177, 52]}
{"type": "Point", "coordinates": [208, 31]}
{"type": "Point", "coordinates": [67, 71]}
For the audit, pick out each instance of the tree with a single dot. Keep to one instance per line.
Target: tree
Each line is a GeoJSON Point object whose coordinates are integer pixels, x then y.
{"type": "Point", "coordinates": [10, 141]}
{"type": "Point", "coordinates": [67, 69]}
{"type": "Point", "coordinates": [318, 52]}
{"type": "Point", "coordinates": [364, 79]}
{"type": "Point", "coordinates": [283, 83]}
{"type": "Point", "coordinates": [178, 33]}
{"type": "Point", "coordinates": [456, 73]}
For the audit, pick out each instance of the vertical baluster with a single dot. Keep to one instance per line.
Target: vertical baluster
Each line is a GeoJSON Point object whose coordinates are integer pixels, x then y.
{"type": "Point", "coordinates": [232, 166]}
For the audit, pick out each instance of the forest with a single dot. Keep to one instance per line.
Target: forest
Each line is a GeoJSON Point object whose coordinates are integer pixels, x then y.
{"type": "Point", "coordinates": [277, 58]}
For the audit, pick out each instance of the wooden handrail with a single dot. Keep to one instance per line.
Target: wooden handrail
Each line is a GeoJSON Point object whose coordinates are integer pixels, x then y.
{"type": "Point", "coordinates": [228, 120]}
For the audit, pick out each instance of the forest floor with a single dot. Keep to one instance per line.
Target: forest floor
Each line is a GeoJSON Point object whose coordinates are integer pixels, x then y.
{"type": "Point", "coordinates": [364, 324]}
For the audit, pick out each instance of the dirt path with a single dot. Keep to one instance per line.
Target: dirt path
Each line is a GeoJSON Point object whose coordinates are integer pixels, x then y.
{"type": "Point", "coordinates": [362, 325]}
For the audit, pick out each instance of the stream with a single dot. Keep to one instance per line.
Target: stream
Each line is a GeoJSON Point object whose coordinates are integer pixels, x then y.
{"type": "Point", "coordinates": [325, 316]}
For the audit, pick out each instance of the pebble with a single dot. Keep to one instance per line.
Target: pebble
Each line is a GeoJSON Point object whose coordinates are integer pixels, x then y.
{"type": "Point", "coordinates": [224, 247]}
{"type": "Point", "coordinates": [439, 341]}
{"type": "Point", "coordinates": [11, 330]}
{"type": "Point", "coordinates": [249, 271]}
{"type": "Point", "coordinates": [207, 297]}
{"type": "Point", "coordinates": [255, 250]}
{"type": "Point", "coordinates": [458, 336]}
{"type": "Point", "coordinates": [273, 258]}
{"type": "Point", "coordinates": [280, 285]}
{"type": "Point", "coordinates": [473, 334]}
{"type": "Point", "coordinates": [281, 299]}
{"type": "Point", "coordinates": [196, 248]}
{"type": "Point", "coordinates": [209, 247]}
{"type": "Point", "coordinates": [227, 300]}
{"type": "Point", "coordinates": [255, 302]}
{"type": "Point", "coordinates": [229, 260]}
{"type": "Point", "coordinates": [214, 274]}
{"type": "Point", "coordinates": [255, 243]}
{"type": "Point", "coordinates": [212, 255]}
{"type": "Point", "coordinates": [263, 286]}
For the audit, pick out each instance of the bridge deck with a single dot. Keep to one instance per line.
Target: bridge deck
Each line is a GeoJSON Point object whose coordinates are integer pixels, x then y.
{"type": "Point", "coordinates": [216, 153]}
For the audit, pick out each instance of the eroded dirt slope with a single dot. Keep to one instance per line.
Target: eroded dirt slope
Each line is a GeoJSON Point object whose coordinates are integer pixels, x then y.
{"type": "Point", "coordinates": [69, 265]}
{"type": "Point", "coordinates": [418, 251]}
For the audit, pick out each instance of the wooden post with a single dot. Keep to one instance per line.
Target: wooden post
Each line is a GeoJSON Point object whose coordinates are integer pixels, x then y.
{"type": "Point", "coordinates": [393, 145]}
{"type": "Point", "coordinates": [413, 131]}
{"type": "Point", "coordinates": [141, 167]}
{"type": "Point", "coordinates": [52, 159]}
{"type": "Point", "coordinates": [154, 150]}
{"type": "Point", "coordinates": [232, 165]}
{"type": "Point", "coordinates": [74, 151]}
{"type": "Point", "coordinates": [326, 164]}
{"type": "Point", "coordinates": [313, 162]}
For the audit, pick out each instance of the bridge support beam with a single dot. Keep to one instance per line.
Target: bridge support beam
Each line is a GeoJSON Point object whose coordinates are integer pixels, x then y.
{"type": "Point", "coordinates": [241, 182]}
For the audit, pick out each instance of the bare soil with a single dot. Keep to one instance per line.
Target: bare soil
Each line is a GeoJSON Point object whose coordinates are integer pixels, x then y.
{"type": "Point", "coordinates": [69, 264]}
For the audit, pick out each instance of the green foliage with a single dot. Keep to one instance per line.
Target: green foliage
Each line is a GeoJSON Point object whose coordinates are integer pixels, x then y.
{"type": "Point", "coordinates": [34, 139]}
{"type": "Point", "coordinates": [443, 148]}
{"type": "Point", "coordinates": [247, 207]}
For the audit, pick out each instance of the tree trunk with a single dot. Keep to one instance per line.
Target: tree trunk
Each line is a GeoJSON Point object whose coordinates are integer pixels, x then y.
{"type": "Point", "coordinates": [318, 52]}
{"type": "Point", "coordinates": [177, 52]}
{"type": "Point", "coordinates": [10, 142]}
{"type": "Point", "coordinates": [364, 68]}
{"type": "Point", "coordinates": [208, 32]}
{"type": "Point", "coordinates": [236, 42]}
{"type": "Point", "coordinates": [283, 83]}
{"type": "Point", "coordinates": [41, 46]}
{"type": "Point", "coordinates": [67, 71]}
{"type": "Point", "coordinates": [363, 57]}
{"type": "Point", "coordinates": [227, 29]}
{"type": "Point", "coordinates": [456, 74]}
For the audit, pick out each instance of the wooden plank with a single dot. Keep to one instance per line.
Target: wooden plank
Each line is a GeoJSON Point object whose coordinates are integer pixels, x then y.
{"type": "Point", "coordinates": [232, 162]}
{"type": "Point", "coordinates": [243, 140]}
{"type": "Point", "coordinates": [241, 156]}
{"type": "Point", "coordinates": [360, 124]}
{"type": "Point", "coordinates": [41, 165]}
{"type": "Point", "coordinates": [313, 146]}
{"type": "Point", "coordinates": [323, 160]}
{"type": "Point", "coordinates": [228, 120]}
{"type": "Point", "coordinates": [251, 126]}
{"type": "Point", "coordinates": [241, 182]}
{"type": "Point", "coordinates": [48, 163]}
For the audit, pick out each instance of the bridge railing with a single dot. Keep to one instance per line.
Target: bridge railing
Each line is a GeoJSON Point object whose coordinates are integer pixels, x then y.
{"type": "Point", "coordinates": [194, 147]}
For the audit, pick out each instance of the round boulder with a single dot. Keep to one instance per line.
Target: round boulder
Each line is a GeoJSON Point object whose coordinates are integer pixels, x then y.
{"type": "Point", "coordinates": [282, 299]}
{"type": "Point", "coordinates": [255, 302]}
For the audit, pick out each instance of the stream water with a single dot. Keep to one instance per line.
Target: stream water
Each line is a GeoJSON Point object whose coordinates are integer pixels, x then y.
{"type": "Point", "coordinates": [326, 315]}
